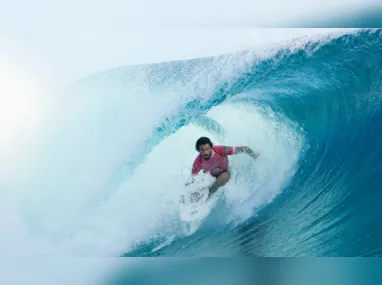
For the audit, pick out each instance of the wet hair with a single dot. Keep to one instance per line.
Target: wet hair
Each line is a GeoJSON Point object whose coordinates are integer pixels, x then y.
{"type": "Point", "coordinates": [202, 141]}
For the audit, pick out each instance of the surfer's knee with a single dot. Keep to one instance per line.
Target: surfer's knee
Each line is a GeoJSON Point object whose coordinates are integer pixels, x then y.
{"type": "Point", "coordinates": [223, 178]}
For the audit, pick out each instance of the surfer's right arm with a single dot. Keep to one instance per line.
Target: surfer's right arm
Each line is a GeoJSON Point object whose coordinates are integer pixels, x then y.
{"type": "Point", "coordinates": [196, 167]}
{"type": "Point", "coordinates": [190, 181]}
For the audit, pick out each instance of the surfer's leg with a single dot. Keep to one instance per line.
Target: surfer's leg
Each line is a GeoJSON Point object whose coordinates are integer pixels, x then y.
{"type": "Point", "coordinates": [221, 180]}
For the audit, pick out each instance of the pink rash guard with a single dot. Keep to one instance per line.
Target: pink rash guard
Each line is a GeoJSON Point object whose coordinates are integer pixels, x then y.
{"type": "Point", "coordinates": [217, 163]}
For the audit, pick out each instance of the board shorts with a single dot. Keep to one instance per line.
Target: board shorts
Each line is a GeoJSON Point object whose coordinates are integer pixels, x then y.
{"type": "Point", "coordinates": [216, 175]}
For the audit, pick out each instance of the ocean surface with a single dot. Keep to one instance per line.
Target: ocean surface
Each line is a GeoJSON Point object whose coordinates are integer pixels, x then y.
{"type": "Point", "coordinates": [119, 145]}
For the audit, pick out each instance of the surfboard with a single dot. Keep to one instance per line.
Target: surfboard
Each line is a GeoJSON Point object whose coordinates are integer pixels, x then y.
{"type": "Point", "coordinates": [194, 204]}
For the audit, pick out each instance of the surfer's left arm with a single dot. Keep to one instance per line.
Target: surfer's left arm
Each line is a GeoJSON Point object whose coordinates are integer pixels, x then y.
{"type": "Point", "coordinates": [231, 150]}
{"type": "Point", "coordinates": [246, 150]}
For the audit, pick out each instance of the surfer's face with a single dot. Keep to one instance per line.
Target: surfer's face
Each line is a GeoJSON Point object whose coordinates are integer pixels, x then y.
{"type": "Point", "coordinates": [205, 151]}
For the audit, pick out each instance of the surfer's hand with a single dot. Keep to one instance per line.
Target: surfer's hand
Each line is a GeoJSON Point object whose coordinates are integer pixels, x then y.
{"type": "Point", "coordinates": [191, 180]}
{"type": "Point", "coordinates": [256, 155]}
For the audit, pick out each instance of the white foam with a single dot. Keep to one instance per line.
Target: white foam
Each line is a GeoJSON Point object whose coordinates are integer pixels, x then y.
{"type": "Point", "coordinates": [256, 183]}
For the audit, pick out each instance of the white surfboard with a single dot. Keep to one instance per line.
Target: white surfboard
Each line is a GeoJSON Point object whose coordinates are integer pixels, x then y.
{"type": "Point", "coordinates": [194, 204]}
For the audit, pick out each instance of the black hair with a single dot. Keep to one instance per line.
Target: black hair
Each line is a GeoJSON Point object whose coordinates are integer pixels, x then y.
{"type": "Point", "coordinates": [202, 141]}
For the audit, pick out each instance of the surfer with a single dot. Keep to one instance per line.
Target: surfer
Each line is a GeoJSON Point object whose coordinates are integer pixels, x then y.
{"type": "Point", "coordinates": [213, 159]}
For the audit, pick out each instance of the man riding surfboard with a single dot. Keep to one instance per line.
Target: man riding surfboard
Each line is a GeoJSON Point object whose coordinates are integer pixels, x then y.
{"type": "Point", "coordinates": [214, 159]}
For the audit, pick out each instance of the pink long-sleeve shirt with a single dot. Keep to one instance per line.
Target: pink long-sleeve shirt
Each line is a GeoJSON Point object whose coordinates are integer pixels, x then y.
{"type": "Point", "coordinates": [217, 163]}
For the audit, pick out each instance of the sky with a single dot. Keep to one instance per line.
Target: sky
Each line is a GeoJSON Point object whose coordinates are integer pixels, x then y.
{"type": "Point", "coordinates": [64, 41]}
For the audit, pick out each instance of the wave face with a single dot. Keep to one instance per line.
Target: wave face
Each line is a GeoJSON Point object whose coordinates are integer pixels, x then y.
{"type": "Point", "coordinates": [119, 148]}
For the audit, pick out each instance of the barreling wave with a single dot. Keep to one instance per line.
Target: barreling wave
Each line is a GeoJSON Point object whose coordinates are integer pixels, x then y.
{"type": "Point", "coordinates": [324, 104]}
{"type": "Point", "coordinates": [119, 148]}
